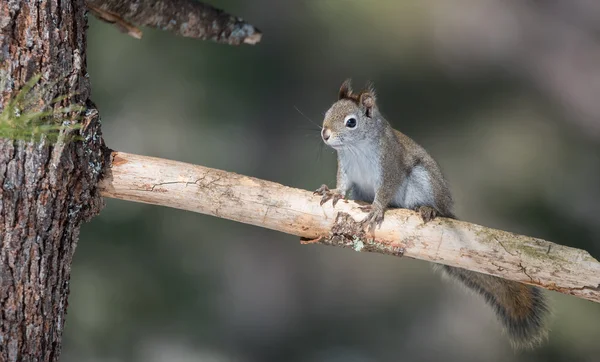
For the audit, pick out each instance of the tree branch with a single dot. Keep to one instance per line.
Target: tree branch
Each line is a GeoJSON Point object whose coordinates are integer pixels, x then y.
{"type": "Point", "coordinates": [188, 18]}
{"type": "Point", "coordinates": [294, 211]}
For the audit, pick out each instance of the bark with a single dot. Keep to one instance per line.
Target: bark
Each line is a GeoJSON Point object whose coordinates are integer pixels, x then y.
{"type": "Point", "coordinates": [188, 18]}
{"type": "Point", "coordinates": [270, 205]}
{"type": "Point", "coordinates": [48, 190]}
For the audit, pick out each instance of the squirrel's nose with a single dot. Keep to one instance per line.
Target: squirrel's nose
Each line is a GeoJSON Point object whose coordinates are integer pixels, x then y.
{"type": "Point", "coordinates": [326, 133]}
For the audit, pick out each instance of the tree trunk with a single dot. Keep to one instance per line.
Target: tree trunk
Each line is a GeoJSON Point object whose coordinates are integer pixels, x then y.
{"type": "Point", "coordinates": [48, 188]}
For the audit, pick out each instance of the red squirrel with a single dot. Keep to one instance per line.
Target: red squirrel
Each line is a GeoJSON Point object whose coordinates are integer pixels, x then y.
{"type": "Point", "coordinates": [384, 167]}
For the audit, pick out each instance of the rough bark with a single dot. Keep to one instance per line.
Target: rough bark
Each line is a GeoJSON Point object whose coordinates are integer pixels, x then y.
{"type": "Point", "coordinates": [270, 205]}
{"type": "Point", "coordinates": [47, 190]}
{"type": "Point", "coordinates": [188, 18]}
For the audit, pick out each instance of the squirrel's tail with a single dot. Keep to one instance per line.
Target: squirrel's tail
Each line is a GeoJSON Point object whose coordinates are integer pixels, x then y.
{"type": "Point", "coordinates": [521, 308]}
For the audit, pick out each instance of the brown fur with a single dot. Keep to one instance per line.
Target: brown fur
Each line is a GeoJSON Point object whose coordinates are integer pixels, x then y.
{"type": "Point", "coordinates": [521, 308]}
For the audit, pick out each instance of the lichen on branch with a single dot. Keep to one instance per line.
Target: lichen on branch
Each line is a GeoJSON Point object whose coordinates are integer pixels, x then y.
{"type": "Point", "coordinates": [188, 18]}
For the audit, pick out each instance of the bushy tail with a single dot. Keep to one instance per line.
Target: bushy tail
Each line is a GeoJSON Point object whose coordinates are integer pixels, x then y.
{"type": "Point", "coordinates": [521, 308]}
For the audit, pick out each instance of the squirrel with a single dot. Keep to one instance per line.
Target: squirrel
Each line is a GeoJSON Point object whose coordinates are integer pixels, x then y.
{"type": "Point", "coordinates": [385, 168]}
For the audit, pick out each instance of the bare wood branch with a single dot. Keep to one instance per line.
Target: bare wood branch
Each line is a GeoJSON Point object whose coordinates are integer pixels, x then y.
{"type": "Point", "coordinates": [274, 206]}
{"type": "Point", "coordinates": [188, 18]}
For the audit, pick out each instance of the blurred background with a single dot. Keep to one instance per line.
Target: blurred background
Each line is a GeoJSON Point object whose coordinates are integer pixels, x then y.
{"type": "Point", "coordinates": [504, 94]}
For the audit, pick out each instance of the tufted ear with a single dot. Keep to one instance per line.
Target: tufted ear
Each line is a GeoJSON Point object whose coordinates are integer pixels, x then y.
{"type": "Point", "coordinates": [367, 100]}
{"type": "Point", "coordinates": [345, 89]}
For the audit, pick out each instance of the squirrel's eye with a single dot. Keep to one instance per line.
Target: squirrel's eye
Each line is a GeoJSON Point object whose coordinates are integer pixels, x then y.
{"type": "Point", "coordinates": [351, 122]}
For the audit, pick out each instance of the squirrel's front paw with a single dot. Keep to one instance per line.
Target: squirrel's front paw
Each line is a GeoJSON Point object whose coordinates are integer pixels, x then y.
{"type": "Point", "coordinates": [328, 194]}
{"type": "Point", "coordinates": [374, 218]}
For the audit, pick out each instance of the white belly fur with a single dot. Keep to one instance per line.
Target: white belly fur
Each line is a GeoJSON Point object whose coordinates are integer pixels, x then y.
{"type": "Point", "coordinates": [363, 173]}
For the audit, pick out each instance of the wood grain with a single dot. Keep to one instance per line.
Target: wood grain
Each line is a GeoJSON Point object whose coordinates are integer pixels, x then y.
{"type": "Point", "coordinates": [293, 211]}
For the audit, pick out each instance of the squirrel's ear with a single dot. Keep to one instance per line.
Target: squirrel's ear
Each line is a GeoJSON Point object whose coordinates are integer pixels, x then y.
{"type": "Point", "coordinates": [345, 89]}
{"type": "Point", "coordinates": [367, 100]}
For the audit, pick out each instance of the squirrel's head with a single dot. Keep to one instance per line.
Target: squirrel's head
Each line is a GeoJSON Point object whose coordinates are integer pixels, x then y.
{"type": "Point", "coordinates": [351, 120]}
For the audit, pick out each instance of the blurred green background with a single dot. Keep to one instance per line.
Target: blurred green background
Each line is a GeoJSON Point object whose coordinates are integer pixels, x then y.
{"type": "Point", "coordinates": [502, 94]}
